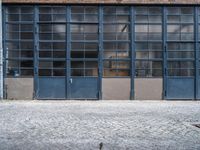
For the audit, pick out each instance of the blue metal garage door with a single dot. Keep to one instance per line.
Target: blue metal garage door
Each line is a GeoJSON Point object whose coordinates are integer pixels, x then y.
{"type": "Point", "coordinates": [180, 53]}
{"type": "Point", "coordinates": [67, 53]}
{"type": "Point", "coordinates": [51, 52]}
{"type": "Point", "coordinates": [84, 48]}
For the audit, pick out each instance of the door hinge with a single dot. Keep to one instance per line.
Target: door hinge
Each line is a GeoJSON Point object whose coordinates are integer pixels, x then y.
{"type": "Point", "coordinates": [165, 48]}
{"type": "Point", "coordinates": [165, 71]}
{"type": "Point", "coordinates": [36, 71]}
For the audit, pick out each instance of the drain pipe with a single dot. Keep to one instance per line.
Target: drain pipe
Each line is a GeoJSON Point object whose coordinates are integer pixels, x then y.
{"type": "Point", "coordinates": [1, 54]}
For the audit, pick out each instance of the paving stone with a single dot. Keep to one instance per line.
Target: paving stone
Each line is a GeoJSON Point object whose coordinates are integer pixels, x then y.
{"type": "Point", "coordinates": [77, 125]}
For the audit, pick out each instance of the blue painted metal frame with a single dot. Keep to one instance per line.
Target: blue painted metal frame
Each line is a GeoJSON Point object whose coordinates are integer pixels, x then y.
{"type": "Point", "coordinates": [164, 36]}
{"type": "Point", "coordinates": [100, 55]}
{"type": "Point", "coordinates": [68, 49]}
{"type": "Point", "coordinates": [132, 30]}
{"type": "Point", "coordinates": [36, 49]}
{"type": "Point", "coordinates": [4, 50]}
{"type": "Point", "coordinates": [196, 31]}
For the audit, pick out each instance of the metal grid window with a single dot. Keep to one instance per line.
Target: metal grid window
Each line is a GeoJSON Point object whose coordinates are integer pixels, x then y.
{"type": "Point", "coordinates": [116, 41]}
{"type": "Point", "coordinates": [148, 41]}
{"type": "Point", "coordinates": [180, 41]}
{"type": "Point", "coordinates": [19, 41]}
{"type": "Point", "coordinates": [52, 41]}
{"type": "Point", "coordinates": [84, 40]}
{"type": "Point", "coordinates": [84, 32]}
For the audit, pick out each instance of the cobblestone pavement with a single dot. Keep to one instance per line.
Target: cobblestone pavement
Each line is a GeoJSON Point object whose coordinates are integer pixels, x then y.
{"type": "Point", "coordinates": [93, 125]}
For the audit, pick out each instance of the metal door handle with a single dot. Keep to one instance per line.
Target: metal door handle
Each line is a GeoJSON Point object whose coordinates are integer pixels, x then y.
{"type": "Point", "coordinates": [70, 80]}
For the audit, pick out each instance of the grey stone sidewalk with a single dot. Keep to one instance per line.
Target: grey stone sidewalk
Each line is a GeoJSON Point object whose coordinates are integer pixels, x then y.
{"type": "Point", "coordinates": [117, 125]}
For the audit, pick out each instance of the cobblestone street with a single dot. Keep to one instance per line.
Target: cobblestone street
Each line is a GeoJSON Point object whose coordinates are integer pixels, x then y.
{"type": "Point", "coordinates": [106, 125]}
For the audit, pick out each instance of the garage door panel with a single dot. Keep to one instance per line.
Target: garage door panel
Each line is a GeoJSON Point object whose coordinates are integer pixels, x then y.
{"type": "Point", "coordinates": [51, 88]}
{"type": "Point", "coordinates": [84, 88]}
{"type": "Point", "coordinates": [178, 88]}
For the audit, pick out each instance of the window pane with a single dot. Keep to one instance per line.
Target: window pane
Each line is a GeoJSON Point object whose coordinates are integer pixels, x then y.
{"type": "Point", "coordinates": [186, 10]}
{"type": "Point", "coordinates": [173, 10]}
{"type": "Point", "coordinates": [155, 10]}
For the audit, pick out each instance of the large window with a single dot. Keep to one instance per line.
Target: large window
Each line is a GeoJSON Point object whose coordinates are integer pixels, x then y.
{"type": "Point", "coordinates": [84, 40]}
{"type": "Point", "coordinates": [180, 41]}
{"type": "Point", "coordinates": [116, 41]}
{"type": "Point", "coordinates": [19, 40]}
{"type": "Point", "coordinates": [148, 41]}
{"type": "Point", "coordinates": [46, 26]}
{"type": "Point", "coordinates": [52, 41]}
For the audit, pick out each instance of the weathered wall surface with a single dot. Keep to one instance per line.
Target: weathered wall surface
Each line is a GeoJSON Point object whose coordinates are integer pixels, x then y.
{"type": "Point", "coordinates": [148, 89]}
{"type": "Point", "coordinates": [19, 88]}
{"type": "Point", "coordinates": [116, 88]}
{"type": "Point", "coordinates": [108, 1]}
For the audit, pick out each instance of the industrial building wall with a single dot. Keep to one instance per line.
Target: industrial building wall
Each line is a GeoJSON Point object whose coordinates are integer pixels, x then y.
{"type": "Point", "coordinates": [148, 89]}
{"type": "Point", "coordinates": [113, 52]}
{"type": "Point", "coordinates": [19, 88]}
{"type": "Point", "coordinates": [116, 88]}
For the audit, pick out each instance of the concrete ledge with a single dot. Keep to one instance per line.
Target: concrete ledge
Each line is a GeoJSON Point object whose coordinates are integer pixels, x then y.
{"type": "Point", "coordinates": [116, 88]}
{"type": "Point", "coordinates": [148, 88]}
{"type": "Point", "coordinates": [19, 88]}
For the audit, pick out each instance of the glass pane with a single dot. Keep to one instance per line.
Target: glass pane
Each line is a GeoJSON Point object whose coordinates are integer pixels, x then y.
{"type": "Point", "coordinates": [45, 17]}
{"type": "Point", "coordinates": [26, 72]}
{"type": "Point", "coordinates": [181, 72]}
{"type": "Point", "coordinates": [59, 18]}
{"type": "Point", "coordinates": [187, 19]}
{"type": "Point", "coordinates": [59, 64]}
{"type": "Point", "coordinates": [173, 10]}
{"type": "Point", "coordinates": [180, 54]}
{"type": "Point", "coordinates": [25, 17]}
{"type": "Point", "coordinates": [77, 64]}
{"type": "Point", "coordinates": [13, 10]}
{"type": "Point", "coordinates": [173, 19]}
{"type": "Point", "coordinates": [46, 64]}
{"type": "Point", "coordinates": [91, 54]}
{"type": "Point", "coordinates": [27, 54]}
{"type": "Point", "coordinates": [155, 19]}
{"type": "Point", "coordinates": [141, 10]}
{"type": "Point", "coordinates": [45, 54]}
{"type": "Point", "coordinates": [91, 10]}
{"type": "Point", "coordinates": [77, 72]}
{"type": "Point", "coordinates": [180, 64]}
{"type": "Point", "coordinates": [141, 18]}
{"type": "Point", "coordinates": [155, 10]}
{"type": "Point", "coordinates": [59, 10]}
{"type": "Point", "coordinates": [26, 63]}
{"type": "Point", "coordinates": [45, 10]}
{"type": "Point", "coordinates": [26, 27]}
{"type": "Point", "coordinates": [77, 54]}
{"type": "Point", "coordinates": [142, 55]}
{"type": "Point", "coordinates": [13, 17]}
{"type": "Point", "coordinates": [187, 10]}
{"type": "Point", "coordinates": [45, 72]}
{"type": "Point", "coordinates": [59, 54]}
{"type": "Point", "coordinates": [58, 72]}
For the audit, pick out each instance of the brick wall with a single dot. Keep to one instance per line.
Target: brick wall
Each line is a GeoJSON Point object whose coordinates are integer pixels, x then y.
{"type": "Point", "coordinates": [107, 1]}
